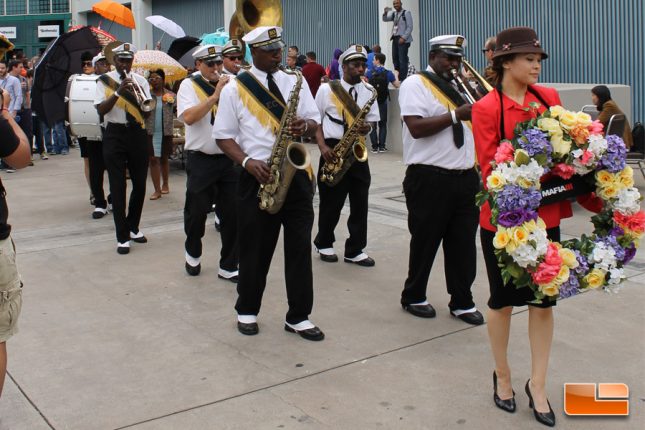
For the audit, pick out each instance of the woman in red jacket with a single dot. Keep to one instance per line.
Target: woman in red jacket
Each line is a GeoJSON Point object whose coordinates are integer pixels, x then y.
{"type": "Point", "coordinates": [517, 64]}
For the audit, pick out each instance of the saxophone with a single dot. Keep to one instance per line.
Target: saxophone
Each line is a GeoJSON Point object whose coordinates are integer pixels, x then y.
{"type": "Point", "coordinates": [287, 156]}
{"type": "Point", "coordinates": [350, 148]}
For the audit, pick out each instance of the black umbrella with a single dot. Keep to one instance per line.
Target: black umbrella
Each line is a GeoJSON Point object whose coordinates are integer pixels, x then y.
{"type": "Point", "coordinates": [61, 60]}
{"type": "Point", "coordinates": [182, 45]}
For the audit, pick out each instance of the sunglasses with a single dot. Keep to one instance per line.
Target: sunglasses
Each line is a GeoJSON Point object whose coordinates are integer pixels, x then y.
{"type": "Point", "coordinates": [211, 63]}
{"type": "Point", "coordinates": [87, 63]}
{"type": "Point", "coordinates": [485, 50]}
{"type": "Point", "coordinates": [235, 58]}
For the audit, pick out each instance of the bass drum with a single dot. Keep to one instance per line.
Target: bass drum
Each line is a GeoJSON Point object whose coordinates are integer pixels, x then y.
{"type": "Point", "coordinates": [82, 117]}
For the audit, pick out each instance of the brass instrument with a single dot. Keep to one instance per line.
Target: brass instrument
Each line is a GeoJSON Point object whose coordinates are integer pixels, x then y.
{"type": "Point", "coordinates": [349, 149]}
{"type": "Point", "coordinates": [250, 14]}
{"type": "Point", "coordinates": [146, 104]}
{"type": "Point", "coordinates": [466, 92]}
{"type": "Point", "coordinates": [483, 83]}
{"type": "Point", "coordinates": [287, 156]}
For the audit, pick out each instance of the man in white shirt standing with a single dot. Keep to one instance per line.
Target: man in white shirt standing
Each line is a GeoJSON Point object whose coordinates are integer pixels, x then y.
{"type": "Point", "coordinates": [247, 122]}
{"type": "Point", "coordinates": [124, 143]}
{"type": "Point", "coordinates": [211, 175]}
{"type": "Point", "coordinates": [440, 182]}
{"type": "Point", "coordinates": [339, 102]}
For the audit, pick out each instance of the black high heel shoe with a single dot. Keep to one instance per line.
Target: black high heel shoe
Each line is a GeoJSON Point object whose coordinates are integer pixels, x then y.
{"type": "Point", "coordinates": [546, 418]}
{"type": "Point", "coordinates": [507, 405]}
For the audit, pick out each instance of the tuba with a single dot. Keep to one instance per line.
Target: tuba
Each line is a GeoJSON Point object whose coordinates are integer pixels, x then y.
{"type": "Point", "coordinates": [250, 14]}
{"type": "Point", "coordinates": [287, 156]}
{"type": "Point", "coordinates": [349, 149]}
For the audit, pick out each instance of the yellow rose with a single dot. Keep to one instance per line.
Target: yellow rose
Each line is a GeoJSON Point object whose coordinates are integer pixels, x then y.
{"type": "Point", "coordinates": [595, 278]}
{"type": "Point", "coordinates": [525, 183]}
{"type": "Point", "coordinates": [495, 180]}
{"type": "Point", "coordinates": [583, 119]}
{"type": "Point", "coordinates": [568, 258]}
{"type": "Point", "coordinates": [519, 235]}
{"type": "Point", "coordinates": [608, 192]}
{"type": "Point", "coordinates": [551, 289]}
{"type": "Point", "coordinates": [550, 125]}
{"type": "Point", "coordinates": [501, 238]}
{"type": "Point", "coordinates": [556, 111]}
{"type": "Point", "coordinates": [541, 224]}
{"type": "Point", "coordinates": [567, 120]}
{"type": "Point", "coordinates": [530, 226]}
{"type": "Point", "coordinates": [563, 275]}
{"type": "Point", "coordinates": [605, 178]}
{"type": "Point", "coordinates": [626, 177]}
{"type": "Point", "coordinates": [560, 145]}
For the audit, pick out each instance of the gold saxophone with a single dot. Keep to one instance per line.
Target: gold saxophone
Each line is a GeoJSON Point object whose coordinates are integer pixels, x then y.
{"type": "Point", "coordinates": [350, 148]}
{"type": "Point", "coordinates": [287, 156]}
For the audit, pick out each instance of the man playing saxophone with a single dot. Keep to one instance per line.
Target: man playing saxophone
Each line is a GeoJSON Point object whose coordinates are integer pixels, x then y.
{"type": "Point", "coordinates": [247, 126]}
{"type": "Point", "coordinates": [347, 107]}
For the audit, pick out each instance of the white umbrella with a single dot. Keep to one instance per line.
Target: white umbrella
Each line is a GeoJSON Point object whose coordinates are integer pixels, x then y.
{"type": "Point", "coordinates": [166, 25]}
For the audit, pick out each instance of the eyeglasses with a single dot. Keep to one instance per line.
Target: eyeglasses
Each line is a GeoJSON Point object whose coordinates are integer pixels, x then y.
{"type": "Point", "coordinates": [87, 63]}
{"type": "Point", "coordinates": [235, 58]}
{"type": "Point", "coordinates": [485, 50]}
{"type": "Point", "coordinates": [154, 78]}
{"type": "Point", "coordinates": [211, 63]}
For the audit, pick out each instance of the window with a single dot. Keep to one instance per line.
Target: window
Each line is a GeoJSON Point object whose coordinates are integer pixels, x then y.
{"type": "Point", "coordinates": [38, 6]}
{"type": "Point", "coordinates": [16, 7]}
{"type": "Point", "coordinates": [60, 6]}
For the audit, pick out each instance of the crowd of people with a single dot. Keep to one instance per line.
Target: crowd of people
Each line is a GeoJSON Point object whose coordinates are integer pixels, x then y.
{"type": "Point", "coordinates": [240, 127]}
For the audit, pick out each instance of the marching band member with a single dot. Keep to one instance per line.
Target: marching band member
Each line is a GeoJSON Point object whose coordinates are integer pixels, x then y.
{"type": "Point", "coordinates": [124, 142]}
{"type": "Point", "coordinates": [211, 175]}
{"type": "Point", "coordinates": [248, 119]}
{"type": "Point", "coordinates": [440, 182]}
{"type": "Point", "coordinates": [339, 102]}
{"type": "Point", "coordinates": [232, 54]}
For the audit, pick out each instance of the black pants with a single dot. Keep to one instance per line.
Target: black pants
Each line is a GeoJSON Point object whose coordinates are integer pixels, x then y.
{"type": "Point", "coordinates": [97, 169]}
{"type": "Point", "coordinates": [126, 145]}
{"type": "Point", "coordinates": [400, 57]}
{"type": "Point", "coordinates": [26, 123]}
{"type": "Point", "coordinates": [441, 210]}
{"type": "Point", "coordinates": [211, 178]}
{"type": "Point", "coordinates": [258, 235]}
{"type": "Point", "coordinates": [356, 184]}
{"type": "Point", "coordinates": [381, 126]}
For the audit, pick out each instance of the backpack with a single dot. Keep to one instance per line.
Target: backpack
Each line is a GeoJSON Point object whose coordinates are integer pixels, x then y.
{"type": "Point", "coordinates": [638, 135]}
{"type": "Point", "coordinates": [380, 83]}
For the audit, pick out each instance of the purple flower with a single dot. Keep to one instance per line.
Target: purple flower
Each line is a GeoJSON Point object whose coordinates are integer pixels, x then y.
{"type": "Point", "coordinates": [617, 231]}
{"type": "Point", "coordinates": [630, 252]}
{"type": "Point", "coordinates": [569, 287]}
{"type": "Point", "coordinates": [583, 264]}
{"type": "Point", "coordinates": [611, 242]}
{"type": "Point", "coordinates": [534, 142]}
{"type": "Point", "coordinates": [614, 159]}
{"type": "Point", "coordinates": [514, 197]}
{"type": "Point", "coordinates": [516, 217]}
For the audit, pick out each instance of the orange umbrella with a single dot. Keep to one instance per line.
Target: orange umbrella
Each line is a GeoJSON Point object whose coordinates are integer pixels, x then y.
{"type": "Point", "coordinates": [115, 12]}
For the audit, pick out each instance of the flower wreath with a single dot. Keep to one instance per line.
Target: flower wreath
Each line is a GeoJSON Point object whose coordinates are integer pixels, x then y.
{"type": "Point", "coordinates": [563, 143]}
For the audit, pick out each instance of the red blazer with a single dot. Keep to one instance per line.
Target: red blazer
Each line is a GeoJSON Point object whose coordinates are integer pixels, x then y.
{"type": "Point", "coordinates": [486, 130]}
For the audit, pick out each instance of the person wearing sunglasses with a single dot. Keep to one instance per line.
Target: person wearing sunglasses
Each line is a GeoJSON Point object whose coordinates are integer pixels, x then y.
{"type": "Point", "coordinates": [211, 175]}
{"type": "Point", "coordinates": [233, 55]}
{"type": "Point", "coordinates": [488, 51]}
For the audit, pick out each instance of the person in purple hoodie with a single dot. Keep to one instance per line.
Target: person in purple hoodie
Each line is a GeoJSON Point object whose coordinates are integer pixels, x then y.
{"type": "Point", "coordinates": [334, 72]}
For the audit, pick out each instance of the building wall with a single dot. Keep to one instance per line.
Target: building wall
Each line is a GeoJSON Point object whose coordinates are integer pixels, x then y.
{"type": "Point", "coordinates": [203, 16]}
{"type": "Point", "coordinates": [588, 41]}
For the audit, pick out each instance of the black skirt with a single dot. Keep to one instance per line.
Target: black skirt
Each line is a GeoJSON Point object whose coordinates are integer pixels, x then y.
{"type": "Point", "coordinates": [502, 295]}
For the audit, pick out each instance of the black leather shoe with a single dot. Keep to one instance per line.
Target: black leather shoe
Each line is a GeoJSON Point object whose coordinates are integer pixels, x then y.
{"type": "Point", "coordinates": [365, 262]}
{"type": "Point", "coordinates": [232, 279]}
{"type": "Point", "coordinates": [474, 318]}
{"type": "Point", "coordinates": [329, 258]}
{"type": "Point", "coordinates": [193, 270]}
{"type": "Point", "coordinates": [141, 239]}
{"type": "Point", "coordinates": [546, 418]}
{"type": "Point", "coordinates": [249, 329]}
{"type": "Point", "coordinates": [314, 333]}
{"type": "Point", "coordinates": [507, 405]}
{"type": "Point", "coordinates": [423, 311]}
{"type": "Point", "coordinates": [123, 250]}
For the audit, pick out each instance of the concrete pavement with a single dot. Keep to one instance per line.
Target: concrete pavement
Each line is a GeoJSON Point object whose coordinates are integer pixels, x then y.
{"type": "Point", "coordinates": [109, 341]}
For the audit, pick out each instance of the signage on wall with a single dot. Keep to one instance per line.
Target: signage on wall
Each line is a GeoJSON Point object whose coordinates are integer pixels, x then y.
{"type": "Point", "coordinates": [45, 31]}
{"type": "Point", "coordinates": [10, 32]}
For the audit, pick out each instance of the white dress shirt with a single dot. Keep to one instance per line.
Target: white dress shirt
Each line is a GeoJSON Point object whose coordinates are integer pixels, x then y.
{"type": "Point", "coordinates": [198, 135]}
{"type": "Point", "coordinates": [234, 121]}
{"type": "Point", "coordinates": [439, 149]}
{"type": "Point", "coordinates": [326, 106]}
{"type": "Point", "coordinates": [116, 114]}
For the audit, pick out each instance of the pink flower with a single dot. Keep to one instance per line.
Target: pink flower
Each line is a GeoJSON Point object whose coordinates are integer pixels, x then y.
{"type": "Point", "coordinates": [505, 152]}
{"type": "Point", "coordinates": [545, 273]}
{"type": "Point", "coordinates": [586, 157]}
{"type": "Point", "coordinates": [565, 171]}
{"type": "Point", "coordinates": [596, 127]}
{"type": "Point", "coordinates": [635, 223]}
{"type": "Point", "coordinates": [552, 257]}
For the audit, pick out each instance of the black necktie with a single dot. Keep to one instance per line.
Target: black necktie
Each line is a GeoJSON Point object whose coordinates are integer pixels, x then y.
{"type": "Point", "coordinates": [273, 87]}
{"type": "Point", "coordinates": [353, 93]}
